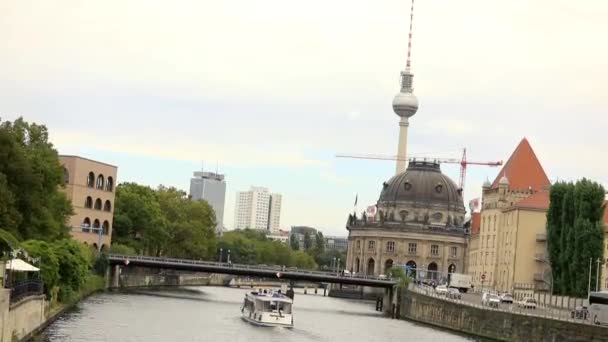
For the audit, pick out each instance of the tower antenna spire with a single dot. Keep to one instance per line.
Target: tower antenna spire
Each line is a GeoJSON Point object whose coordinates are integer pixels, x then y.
{"type": "Point", "coordinates": [409, 41]}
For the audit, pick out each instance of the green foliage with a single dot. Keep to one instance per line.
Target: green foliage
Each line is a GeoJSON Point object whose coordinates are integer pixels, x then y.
{"type": "Point", "coordinates": [7, 242]}
{"type": "Point", "coordinates": [294, 243]}
{"type": "Point", "coordinates": [49, 264]}
{"type": "Point", "coordinates": [307, 241]}
{"type": "Point", "coordinates": [117, 248]}
{"type": "Point", "coordinates": [252, 247]}
{"type": "Point", "coordinates": [575, 235]}
{"type": "Point", "coordinates": [32, 206]}
{"type": "Point", "coordinates": [319, 244]}
{"type": "Point", "coordinates": [163, 222]}
{"type": "Point", "coordinates": [399, 274]}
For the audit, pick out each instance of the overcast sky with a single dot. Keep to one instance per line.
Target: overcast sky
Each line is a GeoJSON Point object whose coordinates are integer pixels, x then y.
{"type": "Point", "coordinates": [271, 90]}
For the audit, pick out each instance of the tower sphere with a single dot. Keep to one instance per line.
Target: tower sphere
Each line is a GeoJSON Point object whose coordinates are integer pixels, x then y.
{"type": "Point", "coordinates": [405, 104]}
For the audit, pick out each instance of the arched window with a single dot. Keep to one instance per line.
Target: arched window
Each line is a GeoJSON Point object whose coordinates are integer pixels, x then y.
{"type": "Point", "coordinates": [107, 206]}
{"type": "Point", "coordinates": [411, 268]}
{"type": "Point", "coordinates": [86, 224]}
{"type": "Point", "coordinates": [91, 180]}
{"type": "Point", "coordinates": [432, 271]}
{"type": "Point", "coordinates": [357, 262]}
{"type": "Point", "coordinates": [388, 264]}
{"type": "Point", "coordinates": [452, 268]}
{"type": "Point", "coordinates": [110, 184]}
{"type": "Point", "coordinates": [88, 203]}
{"type": "Point", "coordinates": [371, 265]}
{"type": "Point", "coordinates": [106, 227]}
{"type": "Point", "coordinates": [96, 223]}
{"type": "Point", "coordinates": [66, 176]}
{"type": "Point", "coordinates": [104, 247]}
{"type": "Point", "coordinates": [100, 182]}
{"type": "Point", "coordinates": [98, 204]}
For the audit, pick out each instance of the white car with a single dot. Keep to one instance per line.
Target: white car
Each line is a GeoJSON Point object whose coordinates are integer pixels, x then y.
{"type": "Point", "coordinates": [527, 303]}
{"type": "Point", "coordinates": [490, 299]}
{"type": "Point", "coordinates": [441, 290]}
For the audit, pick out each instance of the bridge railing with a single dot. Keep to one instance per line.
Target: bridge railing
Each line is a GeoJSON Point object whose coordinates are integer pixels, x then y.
{"type": "Point", "coordinates": [242, 266]}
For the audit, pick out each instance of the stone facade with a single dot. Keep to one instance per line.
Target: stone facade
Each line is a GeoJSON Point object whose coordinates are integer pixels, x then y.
{"type": "Point", "coordinates": [20, 319]}
{"type": "Point", "coordinates": [91, 186]}
{"type": "Point", "coordinates": [419, 223]}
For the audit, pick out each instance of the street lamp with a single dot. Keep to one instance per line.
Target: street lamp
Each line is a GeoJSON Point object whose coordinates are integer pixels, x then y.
{"type": "Point", "coordinates": [338, 266]}
{"type": "Point", "coordinates": [228, 260]}
{"type": "Point", "coordinates": [220, 258]}
{"type": "Point", "coordinates": [99, 231]}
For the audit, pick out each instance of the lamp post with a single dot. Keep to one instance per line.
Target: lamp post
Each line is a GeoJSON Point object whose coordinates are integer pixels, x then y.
{"type": "Point", "coordinates": [220, 257]}
{"type": "Point", "coordinates": [338, 266]}
{"type": "Point", "coordinates": [228, 260]}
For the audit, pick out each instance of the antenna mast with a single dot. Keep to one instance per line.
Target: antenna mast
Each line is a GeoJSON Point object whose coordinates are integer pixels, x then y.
{"type": "Point", "coordinates": [409, 42]}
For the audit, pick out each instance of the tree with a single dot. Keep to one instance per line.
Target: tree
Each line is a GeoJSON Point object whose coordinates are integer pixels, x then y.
{"type": "Point", "coordinates": [49, 268]}
{"type": "Point", "coordinates": [294, 242]}
{"type": "Point", "coordinates": [307, 241]}
{"type": "Point", "coordinates": [319, 244]}
{"type": "Point", "coordinates": [574, 234]}
{"type": "Point", "coordinates": [32, 206]}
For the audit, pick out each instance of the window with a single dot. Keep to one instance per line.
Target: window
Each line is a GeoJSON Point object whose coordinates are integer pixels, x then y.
{"type": "Point", "coordinates": [435, 250]}
{"type": "Point", "coordinates": [86, 224]}
{"type": "Point", "coordinates": [91, 180]}
{"type": "Point", "coordinates": [110, 184]}
{"type": "Point", "coordinates": [66, 176]}
{"type": "Point", "coordinates": [412, 247]}
{"type": "Point", "coordinates": [107, 206]}
{"type": "Point", "coordinates": [100, 182]}
{"type": "Point", "coordinates": [106, 227]}
{"type": "Point", "coordinates": [98, 204]}
{"type": "Point", "coordinates": [88, 203]}
{"type": "Point", "coordinates": [453, 251]}
{"type": "Point", "coordinates": [96, 223]}
{"type": "Point", "coordinates": [390, 246]}
{"type": "Point", "coordinates": [371, 245]}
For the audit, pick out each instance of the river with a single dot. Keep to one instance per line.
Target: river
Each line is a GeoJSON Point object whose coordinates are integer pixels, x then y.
{"type": "Point", "coordinates": [212, 314]}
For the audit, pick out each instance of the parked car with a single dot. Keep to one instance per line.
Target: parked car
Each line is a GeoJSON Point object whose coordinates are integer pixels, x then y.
{"type": "Point", "coordinates": [454, 293]}
{"type": "Point", "coordinates": [490, 299]}
{"type": "Point", "coordinates": [441, 290]}
{"type": "Point", "coordinates": [506, 298]}
{"type": "Point", "coordinates": [528, 303]}
{"type": "Point", "coordinates": [580, 312]}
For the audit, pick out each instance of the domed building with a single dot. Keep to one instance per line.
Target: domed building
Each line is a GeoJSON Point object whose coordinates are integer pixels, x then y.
{"type": "Point", "coordinates": [419, 222]}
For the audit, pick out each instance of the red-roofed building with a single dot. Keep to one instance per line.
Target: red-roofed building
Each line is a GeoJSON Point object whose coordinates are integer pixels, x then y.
{"type": "Point", "coordinates": [507, 252]}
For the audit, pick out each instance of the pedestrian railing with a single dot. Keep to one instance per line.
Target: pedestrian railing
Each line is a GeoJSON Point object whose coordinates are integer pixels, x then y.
{"type": "Point", "coordinates": [241, 266]}
{"type": "Point", "coordinates": [25, 289]}
{"type": "Point", "coordinates": [543, 311]}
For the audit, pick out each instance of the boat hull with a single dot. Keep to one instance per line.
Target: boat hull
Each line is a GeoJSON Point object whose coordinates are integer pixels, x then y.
{"type": "Point", "coordinates": [267, 324]}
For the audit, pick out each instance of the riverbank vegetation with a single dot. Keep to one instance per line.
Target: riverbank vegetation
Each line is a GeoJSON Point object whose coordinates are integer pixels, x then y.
{"type": "Point", "coordinates": [575, 235]}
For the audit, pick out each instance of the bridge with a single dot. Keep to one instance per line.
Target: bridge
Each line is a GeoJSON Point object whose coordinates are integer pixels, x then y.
{"type": "Point", "coordinates": [117, 260]}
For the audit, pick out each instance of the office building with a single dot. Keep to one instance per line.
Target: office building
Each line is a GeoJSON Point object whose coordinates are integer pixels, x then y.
{"type": "Point", "coordinates": [210, 187]}
{"type": "Point", "coordinates": [258, 209]}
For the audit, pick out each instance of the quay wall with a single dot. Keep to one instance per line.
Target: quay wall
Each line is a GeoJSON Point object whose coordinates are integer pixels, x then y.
{"type": "Point", "coordinates": [496, 325]}
{"type": "Point", "coordinates": [20, 319]}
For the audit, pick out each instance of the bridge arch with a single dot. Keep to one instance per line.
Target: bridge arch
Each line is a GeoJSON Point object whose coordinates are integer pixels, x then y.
{"type": "Point", "coordinates": [371, 265]}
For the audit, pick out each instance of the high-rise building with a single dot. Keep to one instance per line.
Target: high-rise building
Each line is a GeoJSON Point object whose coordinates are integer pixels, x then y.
{"type": "Point", "coordinates": [257, 209]}
{"type": "Point", "coordinates": [210, 187]}
{"type": "Point", "coordinates": [90, 185]}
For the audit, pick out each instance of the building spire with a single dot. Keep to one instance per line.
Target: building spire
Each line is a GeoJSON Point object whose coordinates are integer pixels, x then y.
{"type": "Point", "coordinates": [409, 41]}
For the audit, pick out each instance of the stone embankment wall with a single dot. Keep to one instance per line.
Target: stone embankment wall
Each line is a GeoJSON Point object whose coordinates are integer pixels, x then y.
{"type": "Point", "coordinates": [142, 277]}
{"type": "Point", "coordinates": [498, 325]}
{"type": "Point", "coordinates": [22, 318]}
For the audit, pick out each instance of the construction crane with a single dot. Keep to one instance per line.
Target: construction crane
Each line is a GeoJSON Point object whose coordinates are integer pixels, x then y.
{"type": "Point", "coordinates": [463, 162]}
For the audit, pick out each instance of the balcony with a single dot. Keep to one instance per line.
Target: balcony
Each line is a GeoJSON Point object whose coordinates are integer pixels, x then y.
{"type": "Point", "coordinates": [539, 277]}
{"type": "Point", "coordinates": [541, 237]}
{"type": "Point", "coordinates": [434, 256]}
{"type": "Point", "coordinates": [540, 257]}
{"type": "Point", "coordinates": [412, 253]}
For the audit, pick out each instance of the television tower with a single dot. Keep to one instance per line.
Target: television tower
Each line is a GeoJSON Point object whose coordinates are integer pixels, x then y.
{"type": "Point", "coordinates": [405, 103]}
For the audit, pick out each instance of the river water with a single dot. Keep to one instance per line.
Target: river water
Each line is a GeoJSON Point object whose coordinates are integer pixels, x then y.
{"type": "Point", "coordinates": [213, 314]}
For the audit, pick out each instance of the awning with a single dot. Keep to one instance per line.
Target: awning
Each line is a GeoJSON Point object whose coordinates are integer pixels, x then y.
{"type": "Point", "coordinates": [21, 266]}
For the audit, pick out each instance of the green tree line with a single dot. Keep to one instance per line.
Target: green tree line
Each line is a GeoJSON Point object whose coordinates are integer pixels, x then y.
{"type": "Point", "coordinates": [575, 235]}
{"type": "Point", "coordinates": [34, 211]}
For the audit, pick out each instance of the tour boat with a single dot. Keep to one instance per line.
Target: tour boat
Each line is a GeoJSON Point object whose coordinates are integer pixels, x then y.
{"type": "Point", "coordinates": [268, 309]}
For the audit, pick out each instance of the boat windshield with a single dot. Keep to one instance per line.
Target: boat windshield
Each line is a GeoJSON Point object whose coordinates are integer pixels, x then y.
{"type": "Point", "coordinates": [278, 307]}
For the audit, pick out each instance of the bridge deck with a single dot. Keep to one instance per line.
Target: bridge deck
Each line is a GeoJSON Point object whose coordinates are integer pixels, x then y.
{"type": "Point", "coordinates": [248, 270]}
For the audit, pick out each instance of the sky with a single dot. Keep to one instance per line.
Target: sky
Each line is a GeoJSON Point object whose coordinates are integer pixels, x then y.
{"type": "Point", "coordinates": [269, 91]}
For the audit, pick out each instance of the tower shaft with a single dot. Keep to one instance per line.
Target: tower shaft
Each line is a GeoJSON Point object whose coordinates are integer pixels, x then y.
{"type": "Point", "coordinates": [402, 147]}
